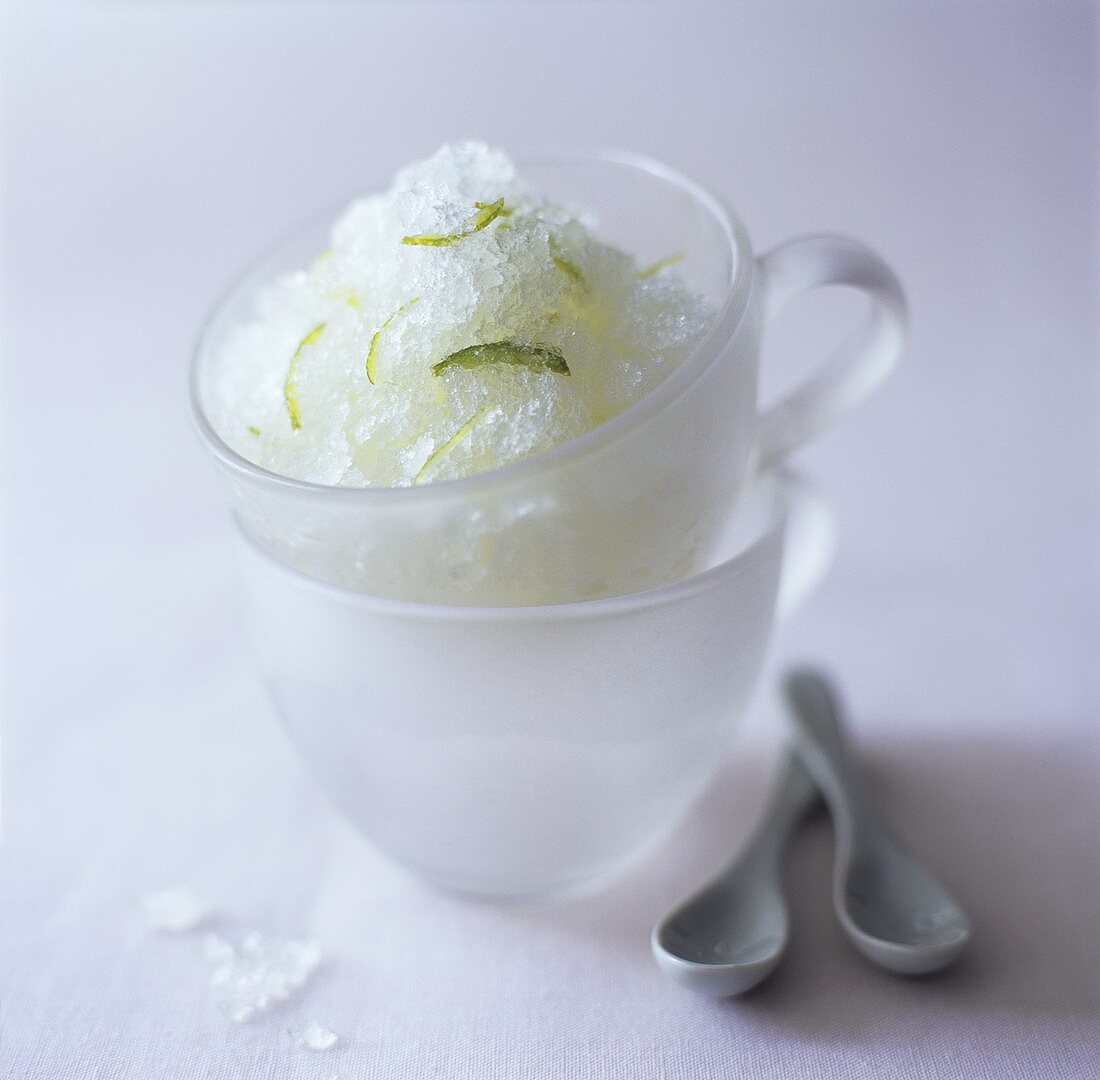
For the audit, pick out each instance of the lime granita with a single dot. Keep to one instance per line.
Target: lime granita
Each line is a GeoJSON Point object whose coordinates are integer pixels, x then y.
{"type": "Point", "coordinates": [459, 321]}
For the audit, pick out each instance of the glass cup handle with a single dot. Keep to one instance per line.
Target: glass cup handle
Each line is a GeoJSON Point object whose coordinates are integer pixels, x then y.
{"type": "Point", "coordinates": [859, 365]}
{"type": "Point", "coordinates": [809, 542]}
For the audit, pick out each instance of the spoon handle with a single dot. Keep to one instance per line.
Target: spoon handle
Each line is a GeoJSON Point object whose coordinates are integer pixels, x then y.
{"type": "Point", "coordinates": [815, 705]}
{"type": "Point", "coordinates": [794, 793]}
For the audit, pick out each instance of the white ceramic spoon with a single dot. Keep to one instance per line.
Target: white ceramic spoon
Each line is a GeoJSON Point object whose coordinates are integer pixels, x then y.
{"type": "Point", "coordinates": [730, 935]}
{"type": "Point", "coordinates": [896, 913]}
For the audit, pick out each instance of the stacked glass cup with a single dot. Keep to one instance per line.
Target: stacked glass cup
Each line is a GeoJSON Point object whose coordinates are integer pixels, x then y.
{"type": "Point", "coordinates": [515, 683]}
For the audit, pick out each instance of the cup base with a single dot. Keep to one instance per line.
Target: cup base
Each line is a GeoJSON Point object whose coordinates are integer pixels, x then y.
{"type": "Point", "coordinates": [514, 755]}
{"type": "Point", "coordinates": [526, 893]}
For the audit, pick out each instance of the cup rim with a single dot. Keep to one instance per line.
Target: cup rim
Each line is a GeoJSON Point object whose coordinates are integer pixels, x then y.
{"type": "Point", "coordinates": [779, 486]}
{"type": "Point", "coordinates": [730, 314]}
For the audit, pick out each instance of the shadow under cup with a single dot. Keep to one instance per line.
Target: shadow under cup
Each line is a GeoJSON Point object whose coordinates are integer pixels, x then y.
{"type": "Point", "coordinates": [514, 752]}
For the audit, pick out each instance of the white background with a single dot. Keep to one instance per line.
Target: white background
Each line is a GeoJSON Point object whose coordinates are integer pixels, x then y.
{"type": "Point", "coordinates": [151, 150]}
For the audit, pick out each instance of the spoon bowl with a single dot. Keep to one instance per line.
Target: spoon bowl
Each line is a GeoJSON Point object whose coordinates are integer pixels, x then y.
{"type": "Point", "coordinates": [723, 941]}
{"type": "Point", "coordinates": [893, 909]}
{"type": "Point", "coordinates": [896, 913]}
{"type": "Point", "coordinates": [730, 935]}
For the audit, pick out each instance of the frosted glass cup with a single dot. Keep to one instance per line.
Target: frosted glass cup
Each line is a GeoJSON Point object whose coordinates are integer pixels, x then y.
{"type": "Point", "coordinates": [516, 752]}
{"type": "Point", "coordinates": [634, 503]}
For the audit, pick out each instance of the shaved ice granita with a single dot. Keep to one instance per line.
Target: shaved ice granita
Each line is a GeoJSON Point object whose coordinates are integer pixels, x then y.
{"type": "Point", "coordinates": [457, 322]}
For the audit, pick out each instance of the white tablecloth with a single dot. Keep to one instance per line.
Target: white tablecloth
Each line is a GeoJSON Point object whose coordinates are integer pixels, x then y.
{"type": "Point", "coordinates": [151, 149]}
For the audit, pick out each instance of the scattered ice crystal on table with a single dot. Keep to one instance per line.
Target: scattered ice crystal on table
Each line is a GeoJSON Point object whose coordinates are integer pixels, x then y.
{"type": "Point", "coordinates": [216, 949]}
{"type": "Point", "coordinates": [174, 911]}
{"type": "Point", "coordinates": [260, 973]}
{"type": "Point", "coordinates": [457, 322]}
{"type": "Point", "coordinates": [313, 1036]}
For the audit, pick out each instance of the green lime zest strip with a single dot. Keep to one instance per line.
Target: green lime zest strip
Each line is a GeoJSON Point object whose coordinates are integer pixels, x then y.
{"type": "Point", "coordinates": [290, 386]}
{"type": "Point", "coordinates": [487, 213]}
{"type": "Point", "coordinates": [462, 433]}
{"type": "Point", "coordinates": [565, 266]}
{"type": "Point", "coordinates": [535, 357]}
{"type": "Point", "coordinates": [661, 264]}
{"type": "Point", "coordinates": [372, 352]}
{"type": "Point", "coordinates": [504, 211]}
{"type": "Point", "coordinates": [569, 270]}
{"type": "Point", "coordinates": [255, 430]}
